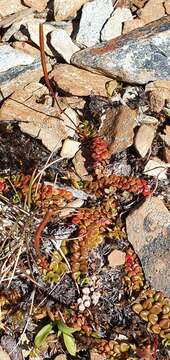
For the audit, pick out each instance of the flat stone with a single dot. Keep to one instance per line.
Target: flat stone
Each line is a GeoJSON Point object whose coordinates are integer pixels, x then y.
{"type": "Point", "coordinates": [94, 16]}
{"type": "Point", "coordinates": [20, 76]}
{"type": "Point", "coordinates": [132, 25]}
{"type": "Point", "coordinates": [157, 168]}
{"type": "Point", "coordinates": [153, 10]}
{"type": "Point", "coordinates": [71, 208]}
{"type": "Point", "coordinates": [114, 24]}
{"type": "Point", "coordinates": [116, 258]}
{"type": "Point", "coordinates": [38, 5]}
{"type": "Point", "coordinates": [134, 57]}
{"type": "Point", "coordinates": [37, 119]}
{"type": "Point", "coordinates": [78, 81]}
{"type": "Point", "coordinates": [67, 9]}
{"type": "Point", "coordinates": [3, 354]}
{"type": "Point", "coordinates": [15, 5]}
{"type": "Point", "coordinates": [56, 41]}
{"type": "Point", "coordinates": [69, 148]}
{"type": "Point", "coordinates": [27, 48]}
{"type": "Point", "coordinates": [122, 132]}
{"type": "Point", "coordinates": [10, 58]}
{"type": "Point", "coordinates": [167, 154]}
{"type": "Point", "coordinates": [147, 119]}
{"type": "Point", "coordinates": [148, 229]}
{"type": "Point", "coordinates": [167, 6]}
{"type": "Point", "coordinates": [62, 43]}
{"type": "Point", "coordinates": [144, 138]}
{"type": "Point", "coordinates": [79, 165]}
{"type": "Point", "coordinates": [159, 92]}
{"type": "Point", "coordinates": [166, 135]}
{"type": "Point", "coordinates": [139, 3]}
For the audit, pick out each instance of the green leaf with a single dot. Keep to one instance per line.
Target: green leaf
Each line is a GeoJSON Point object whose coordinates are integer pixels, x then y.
{"type": "Point", "coordinates": [70, 344]}
{"type": "Point", "coordinates": [65, 329]}
{"type": "Point", "coordinates": [42, 334]}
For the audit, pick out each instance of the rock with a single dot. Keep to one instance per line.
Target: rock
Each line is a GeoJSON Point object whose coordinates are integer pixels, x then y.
{"type": "Point", "coordinates": [78, 81]}
{"type": "Point", "coordinates": [38, 5]}
{"type": "Point", "coordinates": [144, 138]}
{"type": "Point", "coordinates": [4, 355]}
{"type": "Point", "coordinates": [159, 92]}
{"type": "Point", "coordinates": [146, 119]}
{"type": "Point", "coordinates": [153, 10]}
{"type": "Point", "coordinates": [15, 5]}
{"type": "Point", "coordinates": [69, 148]}
{"type": "Point", "coordinates": [63, 44]}
{"type": "Point", "coordinates": [167, 154]}
{"type": "Point", "coordinates": [79, 164]}
{"type": "Point", "coordinates": [57, 41]}
{"type": "Point", "coordinates": [139, 3]}
{"type": "Point", "coordinates": [71, 208]}
{"type": "Point", "coordinates": [20, 76]}
{"type": "Point", "coordinates": [166, 135]}
{"type": "Point", "coordinates": [156, 167]}
{"type": "Point", "coordinates": [114, 24]}
{"type": "Point", "coordinates": [10, 345]}
{"type": "Point", "coordinates": [167, 6]}
{"type": "Point", "coordinates": [10, 58]}
{"type": "Point", "coordinates": [37, 119]}
{"type": "Point", "coordinates": [132, 25]}
{"type": "Point", "coordinates": [19, 16]}
{"type": "Point", "coordinates": [134, 57]}
{"type": "Point", "coordinates": [66, 9]}
{"type": "Point", "coordinates": [148, 229]}
{"type": "Point", "coordinates": [94, 16]}
{"type": "Point", "coordinates": [27, 48]}
{"type": "Point", "coordinates": [122, 132]}
{"type": "Point", "coordinates": [116, 258]}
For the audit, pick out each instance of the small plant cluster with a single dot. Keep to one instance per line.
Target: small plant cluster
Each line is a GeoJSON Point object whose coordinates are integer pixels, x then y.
{"type": "Point", "coordinates": [92, 223]}
{"type": "Point", "coordinates": [113, 349]}
{"type": "Point", "coordinates": [99, 151]}
{"type": "Point", "coordinates": [57, 266]}
{"type": "Point", "coordinates": [42, 195]}
{"type": "Point", "coordinates": [154, 308]}
{"type": "Point", "coordinates": [86, 129]}
{"type": "Point", "coordinates": [80, 321]}
{"type": "Point", "coordinates": [134, 278]}
{"type": "Point", "coordinates": [110, 184]}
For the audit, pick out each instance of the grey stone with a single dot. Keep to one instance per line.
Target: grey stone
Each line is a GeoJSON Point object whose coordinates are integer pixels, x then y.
{"type": "Point", "coordinates": [137, 57]}
{"type": "Point", "coordinates": [10, 58]}
{"type": "Point", "coordinates": [148, 229]}
{"type": "Point", "coordinates": [94, 16]}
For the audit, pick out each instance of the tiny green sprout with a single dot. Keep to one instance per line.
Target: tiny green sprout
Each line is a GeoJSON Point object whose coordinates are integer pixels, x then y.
{"type": "Point", "coordinates": [68, 338]}
{"type": "Point", "coordinates": [42, 335]}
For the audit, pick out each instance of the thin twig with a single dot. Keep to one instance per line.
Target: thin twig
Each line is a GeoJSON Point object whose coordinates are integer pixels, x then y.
{"type": "Point", "coordinates": [16, 263]}
{"type": "Point", "coordinates": [44, 67]}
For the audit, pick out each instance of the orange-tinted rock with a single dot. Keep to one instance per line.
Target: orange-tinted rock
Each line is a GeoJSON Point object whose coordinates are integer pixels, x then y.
{"type": "Point", "coordinates": [148, 229]}
{"type": "Point", "coordinates": [78, 81]}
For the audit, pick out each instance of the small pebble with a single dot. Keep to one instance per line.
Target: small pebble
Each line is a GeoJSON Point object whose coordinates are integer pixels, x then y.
{"type": "Point", "coordinates": [81, 307]}
{"type": "Point", "coordinates": [87, 303]}
{"type": "Point", "coordinates": [85, 297]}
{"type": "Point", "coordinates": [86, 291]}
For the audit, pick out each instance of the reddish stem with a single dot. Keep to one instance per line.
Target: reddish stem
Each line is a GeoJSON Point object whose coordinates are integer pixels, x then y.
{"type": "Point", "coordinates": [44, 66]}
{"type": "Point", "coordinates": [39, 231]}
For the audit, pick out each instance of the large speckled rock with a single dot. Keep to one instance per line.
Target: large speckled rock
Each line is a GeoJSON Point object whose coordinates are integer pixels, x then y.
{"type": "Point", "coordinates": [140, 56]}
{"type": "Point", "coordinates": [148, 229]}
